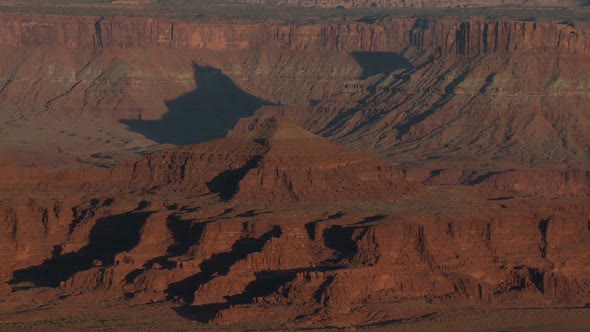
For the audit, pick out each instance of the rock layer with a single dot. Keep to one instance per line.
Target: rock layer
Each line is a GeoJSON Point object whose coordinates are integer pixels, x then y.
{"type": "Point", "coordinates": [449, 35]}
{"type": "Point", "coordinates": [282, 222]}
{"type": "Point", "coordinates": [413, 88]}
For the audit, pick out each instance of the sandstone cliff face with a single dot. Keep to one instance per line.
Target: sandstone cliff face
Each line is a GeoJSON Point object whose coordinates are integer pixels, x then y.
{"type": "Point", "coordinates": [450, 35]}
{"type": "Point", "coordinates": [231, 169]}
{"type": "Point", "coordinates": [281, 221]}
{"type": "Point", "coordinates": [303, 167]}
{"type": "Point", "coordinates": [331, 265]}
{"type": "Point", "coordinates": [543, 182]}
{"type": "Point", "coordinates": [279, 161]}
{"type": "Point", "coordinates": [404, 88]}
{"type": "Point", "coordinates": [455, 109]}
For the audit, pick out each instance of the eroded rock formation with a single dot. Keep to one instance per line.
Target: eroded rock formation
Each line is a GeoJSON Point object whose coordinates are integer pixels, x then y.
{"type": "Point", "coordinates": [281, 221]}
{"type": "Point", "coordinates": [407, 88]}
{"type": "Point", "coordinates": [486, 203]}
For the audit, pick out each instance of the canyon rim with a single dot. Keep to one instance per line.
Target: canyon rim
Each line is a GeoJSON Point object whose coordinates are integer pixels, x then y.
{"type": "Point", "coordinates": [295, 165]}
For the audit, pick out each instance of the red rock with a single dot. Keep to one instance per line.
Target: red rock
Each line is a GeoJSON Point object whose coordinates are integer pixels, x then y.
{"type": "Point", "coordinates": [302, 167]}
{"type": "Point", "coordinates": [283, 222]}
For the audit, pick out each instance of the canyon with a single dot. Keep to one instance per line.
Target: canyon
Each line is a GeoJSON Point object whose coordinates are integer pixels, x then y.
{"type": "Point", "coordinates": [376, 172]}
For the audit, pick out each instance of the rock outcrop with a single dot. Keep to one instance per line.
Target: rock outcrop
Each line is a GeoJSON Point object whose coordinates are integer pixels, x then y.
{"type": "Point", "coordinates": [282, 221]}
{"type": "Point", "coordinates": [235, 262]}
{"type": "Point", "coordinates": [300, 166]}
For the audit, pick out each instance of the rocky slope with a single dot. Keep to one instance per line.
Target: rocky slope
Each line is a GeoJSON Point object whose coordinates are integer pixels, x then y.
{"type": "Point", "coordinates": [411, 88]}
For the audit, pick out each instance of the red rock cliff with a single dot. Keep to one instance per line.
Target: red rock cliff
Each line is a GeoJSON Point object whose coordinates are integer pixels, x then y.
{"type": "Point", "coordinates": [446, 35]}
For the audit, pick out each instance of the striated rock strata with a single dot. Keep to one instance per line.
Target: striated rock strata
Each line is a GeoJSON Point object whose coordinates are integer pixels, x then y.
{"type": "Point", "coordinates": [282, 222]}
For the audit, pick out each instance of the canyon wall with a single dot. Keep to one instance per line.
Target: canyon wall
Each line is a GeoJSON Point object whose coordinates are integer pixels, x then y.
{"type": "Point", "coordinates": [318, 263]}
{"type": "Point", "coordinates": [146, 73]}
{"type": "Point", "coordinates": [409, 89]}
{"type": "Point", "coordinates": [447, 35]}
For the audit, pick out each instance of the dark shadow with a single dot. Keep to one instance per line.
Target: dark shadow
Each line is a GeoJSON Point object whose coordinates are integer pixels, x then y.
{"type": "Point", "coordinates": [219, 264]}
{"type": "Point", "coordinates": [370, 19]}
{"type": "Point", "coordinates": [501, 198]}
{"type": "Point", "coordinates": [480, 179]}
{"type": "Point", "coordinates": [318, 295]}
{"type": "Point", "coordinates": [543, 225]}
{"type": "Point", "coordinates": [251, 213]}
{"type": "Point", "coordinates": [186, 233]}
{"type": "Point", "coordinates": [201, 313]}
{"type": "Point", "coordinates": [436, 173]}
{"type": "Point", "coordinates": [404, 128]}
{"type": "Point", "coordinates": [374, 63]}
{"type": "Point", "coordinates": [227, 183]}
{"type": "Point", "coordinates": [398, 321]}
{"type": "Point", "coordinates": [310, 227]}
{"type": "Point", "coordinates": [341, 240]}
{"type": "Point", "coordinates": [487, 84]}
{"type": "Point", "coordinates": [204, 114]}
{"type": "Point", "coordinates": [265, 284]}
{"type": "Point", "coordinates": [371, 219]}
{"type": "Point", "coordinates": [108, 237]}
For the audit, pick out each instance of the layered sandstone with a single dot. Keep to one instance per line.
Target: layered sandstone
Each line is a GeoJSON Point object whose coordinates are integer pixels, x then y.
{"type": "Point", "coordinates": [304, 167]}
{"type": "Point", "coordinates": [486, 117]}
{"type": "Point", "coordinates": [450, 35]}
{"type": "Point", "coordinates": [408, 87]}
{"type": "Point", "coordinates": [236, 264]}
{"type": "Point", "coordinates": [412, 88]}
{"type": "Point", "coordinates": [233, 229]}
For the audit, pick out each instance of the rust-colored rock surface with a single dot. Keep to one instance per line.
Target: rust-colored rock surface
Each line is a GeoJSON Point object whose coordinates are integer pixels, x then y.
{"type": "Point", "coordinates": [370, 172]}
{"type": "Point", "coordinates": [498, 91]}
{"type": "Point", "coordinates": [282, 222]}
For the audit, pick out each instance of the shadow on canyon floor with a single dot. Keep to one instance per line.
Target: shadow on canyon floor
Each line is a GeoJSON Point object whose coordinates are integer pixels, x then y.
{"type": "Point", "coordinates": [108, 237]}
{"type": "Point", "coordinates": [216, 105]}
{"type": "Point", "coordinates": [374, 63]}
{"type": "Point", "coordinates": [204, 114]}
{"type": "Point", "coordinates": [265, 283]}
{"type": "Point", "coordinates": [219, 264]}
